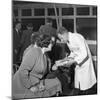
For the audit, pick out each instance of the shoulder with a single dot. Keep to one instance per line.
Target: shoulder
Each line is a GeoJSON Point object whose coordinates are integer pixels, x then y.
{"type": "Point", "coordinates": [36, 51]}
{"type": "Point", "coordinates": [45, 26]}
{"type": "Point", "coordinates": [77, 36]}
{"type": "Point", "coordinates": [31, 53]}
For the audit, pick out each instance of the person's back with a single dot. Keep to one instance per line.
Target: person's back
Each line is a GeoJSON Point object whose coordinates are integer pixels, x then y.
{"type": "Point", "coordinates": [25, 40]}
{"type": "Point", "coordinates": [27, 35]}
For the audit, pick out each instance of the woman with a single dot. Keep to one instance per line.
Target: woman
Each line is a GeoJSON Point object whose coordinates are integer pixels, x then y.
{"type": "Point", "coordinates": [28, 81]}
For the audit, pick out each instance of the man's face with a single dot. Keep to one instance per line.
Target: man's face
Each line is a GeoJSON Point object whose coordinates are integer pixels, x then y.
{"type": "Point", "coordinates": [30, 28]}
{"type": "Point", "coordinates": [63, 37]}
{"type": "Point", "coordinates": [18, 26]}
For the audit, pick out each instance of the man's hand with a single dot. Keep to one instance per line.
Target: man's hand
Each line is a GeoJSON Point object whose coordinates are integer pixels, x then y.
{"type": "Point", "coordinates": [69, 63]}
{"type": "Point", "coordinates": [54, 67]}
{"type": "Point", "coordinates": [58, 62]}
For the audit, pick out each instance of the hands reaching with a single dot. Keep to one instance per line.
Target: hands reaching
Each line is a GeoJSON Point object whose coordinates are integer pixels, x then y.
{"type": "Point", "coordinates": [68, 62]}
{"type": "Point", "coordinates": [39, 87]}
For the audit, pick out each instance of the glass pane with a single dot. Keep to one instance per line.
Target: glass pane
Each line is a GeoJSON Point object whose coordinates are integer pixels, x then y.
{"type": "Point", "coordinates": [51, 11]}
{"type": "Point", "coordinates": [54, 23]}
{"type": "Point", "coordinates": [15, 12]}
{"type": "Point", "coordinates": [26, 12]}
{"type": "Point", "coordinates": [87, 27]}
{"type": "Point", "coordinates": [94, 10]}
{"type": "Point", "coordinates": [68, 24]}
{"type": "Point", "coordinates": [67, 11]}
{"type": "Point", "coordinates": [37, 22]}
{"type": "Point", "coordinates": [39, 12]}
{"type": "Point", "coordinates": [82, 10]}
{"type": "Point", "coordinates": [93, 49]}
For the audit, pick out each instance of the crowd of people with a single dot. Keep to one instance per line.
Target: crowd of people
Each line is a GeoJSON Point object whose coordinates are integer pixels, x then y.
{"type": "Point", "coordinates": [50, 62]}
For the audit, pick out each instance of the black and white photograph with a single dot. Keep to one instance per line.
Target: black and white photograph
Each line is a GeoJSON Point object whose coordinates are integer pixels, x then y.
{"type": "Point", "coordinates": [54, 50]}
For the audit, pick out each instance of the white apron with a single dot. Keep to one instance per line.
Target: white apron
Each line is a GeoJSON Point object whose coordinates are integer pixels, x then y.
{"type": "Point", "coordinates": [84, 74]}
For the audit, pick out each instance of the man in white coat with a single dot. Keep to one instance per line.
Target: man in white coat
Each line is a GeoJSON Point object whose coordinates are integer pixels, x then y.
{"type": "Point", "coordinates": [85, 77]}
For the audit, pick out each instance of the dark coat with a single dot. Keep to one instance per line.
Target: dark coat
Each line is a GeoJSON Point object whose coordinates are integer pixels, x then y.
{"type": "Point", "coordinates": [16, 45]}
{"type": "Point", "coordinates": [25, 40]}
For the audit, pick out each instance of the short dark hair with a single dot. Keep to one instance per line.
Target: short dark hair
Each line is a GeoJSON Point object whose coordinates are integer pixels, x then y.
{"type": "Point", "coordinates": [29, 25]}
{"type": "Point", "coordinates": [61, 30]}
{"type": "Point", "coordinates": [42, 40]}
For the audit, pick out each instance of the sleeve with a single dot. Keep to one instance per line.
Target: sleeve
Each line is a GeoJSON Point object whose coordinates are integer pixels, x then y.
{"type": "Point", "coordinates": [82, 52]}
{"type": "Point", "coordinates": [27, 65]}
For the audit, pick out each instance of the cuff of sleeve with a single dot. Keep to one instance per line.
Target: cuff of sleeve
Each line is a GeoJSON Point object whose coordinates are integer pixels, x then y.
{"type": "Point", "coordinates": [76, 61]}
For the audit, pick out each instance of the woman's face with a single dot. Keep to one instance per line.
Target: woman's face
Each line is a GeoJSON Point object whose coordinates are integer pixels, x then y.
{"type": "Point", "coordinates": [49, 48]}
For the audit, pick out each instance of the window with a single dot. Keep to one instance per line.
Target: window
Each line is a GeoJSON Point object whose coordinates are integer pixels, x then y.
{"type": "Point", "coordinates": [15, 12]}
{"type": "Point", "coordinates": [68, 24]}
{"type": "Point", "coordinates": [51, 11]}
{"type": "Point", "coordinates": [39, 12]}
{"type": "Point", "coordinates": [67, 11]}
{"type": "Point", "coordinates": [93, 49]}
{"type": "Point", "coordinates": [94, 10]}
{"type": "Point", "coordinates": [37, 22]}
{"type": "Point", "coordinates": [87, 27]}
{"type": "Point", "coordinates": [82, 10]}
{"type": "Point", "coordinates": [26, 12]}
{"type": "Point", "coordinates": [54, 23]}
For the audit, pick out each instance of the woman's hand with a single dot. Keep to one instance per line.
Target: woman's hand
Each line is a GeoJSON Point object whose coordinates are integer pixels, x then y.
{"type": "Point", "coordinates": [41, 86]}
{"type": "Point", "coordinates": [34, 89]}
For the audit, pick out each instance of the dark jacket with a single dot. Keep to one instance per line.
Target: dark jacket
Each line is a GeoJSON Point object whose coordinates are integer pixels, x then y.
{"type": "Point", "coordinates": [16, 44]}
{"type": "Point", "coordinates": [25, 40]}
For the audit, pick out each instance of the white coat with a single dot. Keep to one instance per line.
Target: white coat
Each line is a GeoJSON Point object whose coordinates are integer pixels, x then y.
{"type": "Point", "coordinates": [84, 72]}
